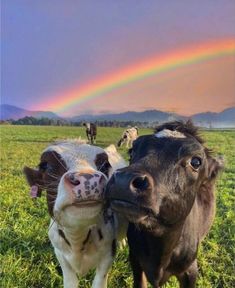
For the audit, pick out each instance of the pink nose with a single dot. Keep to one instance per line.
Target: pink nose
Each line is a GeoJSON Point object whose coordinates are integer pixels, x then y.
{"type": "Point", "coordinates": [86, 186]}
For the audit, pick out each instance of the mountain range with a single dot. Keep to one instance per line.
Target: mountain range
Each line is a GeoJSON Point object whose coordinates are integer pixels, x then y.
{"type": "Point", "coordinates": [12, 112]}
{"type": "Point", "coordinates": [226, 118]}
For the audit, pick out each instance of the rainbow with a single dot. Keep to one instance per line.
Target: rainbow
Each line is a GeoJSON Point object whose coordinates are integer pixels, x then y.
{"type": "Point", "coordinates": [141, 70]}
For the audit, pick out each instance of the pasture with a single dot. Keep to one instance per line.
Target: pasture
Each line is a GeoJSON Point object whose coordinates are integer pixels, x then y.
{"type": "Point", "coordinates": [26, 256]}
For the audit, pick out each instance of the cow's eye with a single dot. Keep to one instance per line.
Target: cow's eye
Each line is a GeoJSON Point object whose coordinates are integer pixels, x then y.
{"type": "Point", "coordinates": [196, 162]}
{"type": "Point", "coordinates": [43, 166]}
{"type": "Point", "coordinates": [104, 168]}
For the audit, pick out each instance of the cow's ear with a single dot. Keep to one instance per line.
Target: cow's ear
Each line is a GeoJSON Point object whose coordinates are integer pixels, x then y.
{"type": "Point", "coordinates": [111, 149]}
{"type": "Point", "coordinates": [35, 181]}
{"type": "Point", "coordinates": [215, 166]}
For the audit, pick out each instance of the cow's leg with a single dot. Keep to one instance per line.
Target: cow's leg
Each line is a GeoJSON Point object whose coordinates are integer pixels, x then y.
{"type": "Point", "coordinates": [92, 138]}
{"type": "Point", "coordinates": [70, 279]}
{"type": "Point", "coordinates": [138, 273]}
{"type": "Point", "coordinates": [87, 135]}
{"type": "Point", "coordinates": [120, 142]}
{"type": "Point", "coordinates": [95, 138]}
{"type": "Point", "coordinates": [101, 276]}
{"type": "Point", "coordinates": [189, 277]}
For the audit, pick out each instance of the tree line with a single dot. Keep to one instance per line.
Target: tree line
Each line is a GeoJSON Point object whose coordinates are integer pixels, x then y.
{"type": "Point", "coordinates": [44, 121]}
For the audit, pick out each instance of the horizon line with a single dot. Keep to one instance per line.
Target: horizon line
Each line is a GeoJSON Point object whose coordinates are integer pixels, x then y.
{"type": "Point", "coordinates": [126, 111]}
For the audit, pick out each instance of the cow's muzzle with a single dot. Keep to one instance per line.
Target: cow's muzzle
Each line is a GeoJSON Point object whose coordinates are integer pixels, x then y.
{"type": "Point", "coordinates": [85, 186]}
{"type": "Point", "coordinates": [125, 189]}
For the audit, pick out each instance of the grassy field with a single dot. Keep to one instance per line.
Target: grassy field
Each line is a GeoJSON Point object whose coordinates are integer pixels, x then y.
{"type": "Point", "coordinates": [27, 258]}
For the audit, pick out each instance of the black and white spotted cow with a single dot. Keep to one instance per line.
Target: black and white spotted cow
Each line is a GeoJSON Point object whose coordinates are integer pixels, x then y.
{"type": "Point", "coordinates": [91, 132]}
{"type": "Point", "coordinates": [82, 231]}
{"type": "Point", "coordinates": [128, 136]}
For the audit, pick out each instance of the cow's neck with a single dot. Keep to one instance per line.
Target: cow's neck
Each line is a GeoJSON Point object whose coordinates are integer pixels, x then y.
{"type": "Point", "coordinates": [80, 233]}
{"type": "Point", "coordinates": [166, 246]}
{"type": "Point", "coordinates": [157, 250]}
{"type": "Point", "coordinates": [167, 242]}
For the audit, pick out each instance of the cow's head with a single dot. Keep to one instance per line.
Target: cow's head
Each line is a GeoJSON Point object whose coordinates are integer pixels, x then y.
{"type": "Point", "coordinates": [130, 133]}
{"type": "Point", "coordinates": [122, 139]}
{"type": "Point", "coordinates": [167, 170]}
{"type": "Point", "coordinates": [74, 176]}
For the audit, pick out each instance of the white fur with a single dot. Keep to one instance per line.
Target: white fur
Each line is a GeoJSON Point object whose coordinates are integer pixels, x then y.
{"type": "Point", "coordinates": [115, 159]}
{"type": "Point", "coordinates": [88, 126]}
{"type": "Point", "coordinates": [74, 153]}
{"type": "Point", "coordinates": [77, 222]}
{"type": "Point", "coordinates": [169, 133]}
{"type": "Point", "coordinates": [97, 253]}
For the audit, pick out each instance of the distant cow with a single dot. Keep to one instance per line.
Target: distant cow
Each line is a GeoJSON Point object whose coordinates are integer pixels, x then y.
{"type": "Point", "coordinates": [128, 136]}
{"type": "Point", "coordinates": [91, 132]}
{"type": "Point", "coordinates": [82, 232]}
{"type": "Point", "coordinates": [167, 194]}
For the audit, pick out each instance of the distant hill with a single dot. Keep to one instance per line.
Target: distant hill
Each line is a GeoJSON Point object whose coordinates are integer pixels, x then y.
{"type": "Point", "coordinates": [226, 118]}
{"type": "Point", "coordinates": [145, 116]}
{"type": "Point", "coordinates": [12, 112]}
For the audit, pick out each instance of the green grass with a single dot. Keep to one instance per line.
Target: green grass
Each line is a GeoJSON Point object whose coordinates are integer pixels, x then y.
{"type": "Point", "coordinates": [26, 256]}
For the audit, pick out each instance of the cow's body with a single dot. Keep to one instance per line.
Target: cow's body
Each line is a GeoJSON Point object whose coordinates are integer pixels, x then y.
{"type": "Point", "coordinates": [128, 136]}
{"type": "Point", "coordinates": [91, 132]}
{"type": "Point", "coordinates": [167, 195]}
{"type": "Point", "coordinates": [82, 232]}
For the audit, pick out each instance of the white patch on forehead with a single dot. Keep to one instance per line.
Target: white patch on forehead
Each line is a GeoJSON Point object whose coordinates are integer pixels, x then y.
{"type": "Point", "coordinates": [75, 154]}
{"type": "Point", "coordinates": [169, 133]}
{"type": "Point", "coordinates": [88, 126]}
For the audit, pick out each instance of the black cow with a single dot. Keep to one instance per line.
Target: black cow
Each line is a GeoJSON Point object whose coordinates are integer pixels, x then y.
{"type": "Point", "coordinates": [91, 131]}
{"type": "Point", "coordinates": [167, 194]}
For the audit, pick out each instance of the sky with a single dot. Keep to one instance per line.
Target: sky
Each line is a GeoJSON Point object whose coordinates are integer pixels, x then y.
{"type": "Point", "coordinates": [52, 47]}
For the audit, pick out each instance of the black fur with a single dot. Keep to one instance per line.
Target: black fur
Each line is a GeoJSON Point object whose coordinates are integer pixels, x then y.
{"type": "Point", "coordinates": [169, 202]}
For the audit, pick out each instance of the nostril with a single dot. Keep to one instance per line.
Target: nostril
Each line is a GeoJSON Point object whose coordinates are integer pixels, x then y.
{"type": "Point", "coordinates": [73, 180]}
{"type": "Point", "coordinates": [141, 183]}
